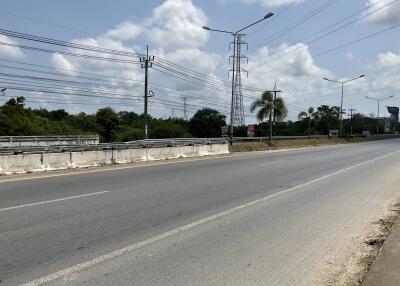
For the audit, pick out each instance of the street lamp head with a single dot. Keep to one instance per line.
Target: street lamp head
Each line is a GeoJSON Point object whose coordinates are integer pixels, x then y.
{"type": "Point", "coordinates": [269, 15]}
{"type": "Point", "coordinates": [362, 76]}
{"type": "Point", "coordinates": [325, 78]}
{"type": "Point", "coordinates": [206, 28]}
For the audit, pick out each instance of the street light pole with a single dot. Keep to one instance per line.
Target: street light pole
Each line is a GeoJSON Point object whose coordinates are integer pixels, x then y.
{"type": "Point", "coordinates": [235, 35]}
{"type": "Point", "coordinates": [341, 100]}
{"type": "Point", "coordinates": [378, 100]}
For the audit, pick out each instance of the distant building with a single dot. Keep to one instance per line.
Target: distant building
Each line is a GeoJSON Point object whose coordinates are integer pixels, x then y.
{"type": "Point", "coordinates": [394, 118]}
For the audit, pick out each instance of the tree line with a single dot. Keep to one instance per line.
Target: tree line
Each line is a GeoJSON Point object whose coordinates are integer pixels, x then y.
{"type": "Point", "coordinates": [18, 120]}
{"type": "Point", "coordinates": [112, 126]}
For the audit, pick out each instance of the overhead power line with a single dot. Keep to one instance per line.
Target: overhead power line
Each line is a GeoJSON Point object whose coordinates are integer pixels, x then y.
{"type": "Point", "coordinates": [69, 54]}
{"type": "Point", "coordinates": [294, 25]}
{"type": "Point", "coordinates": [51, 41]}
{"type": "Point", "coordinates": [309, 43]}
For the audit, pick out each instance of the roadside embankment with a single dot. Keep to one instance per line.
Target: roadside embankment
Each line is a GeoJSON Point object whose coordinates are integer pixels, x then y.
{"type": "Point", "coordinates": [25, 163]}
{"type": "Point", "coordinates": [297, 143]}
{"type": "Point", "coordinates": [385, 270]}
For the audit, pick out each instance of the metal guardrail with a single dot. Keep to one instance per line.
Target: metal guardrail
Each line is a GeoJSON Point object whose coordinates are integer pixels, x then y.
{"type": "Point", "coordinates": [47, 138]}
{"type": "Point", "coordinates": [261, 139]}
{"type": "Point", "coordinates": [152, 143]}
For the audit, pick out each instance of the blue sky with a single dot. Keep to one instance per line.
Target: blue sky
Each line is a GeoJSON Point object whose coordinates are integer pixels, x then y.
{"type": "Point", "coordinates": [172, 28]}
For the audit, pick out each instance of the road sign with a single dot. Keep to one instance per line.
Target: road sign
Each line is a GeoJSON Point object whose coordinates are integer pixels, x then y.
{"type": "Point", "coordinates": [224, 131]}
{"type": "Point", "coordinates": [250, 130]}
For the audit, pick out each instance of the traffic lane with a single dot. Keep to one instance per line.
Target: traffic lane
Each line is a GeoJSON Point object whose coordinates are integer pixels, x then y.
{"type": "Point", "coordinates": [96, 232]}
{"type": "Point", "coordinates": [224, 185]}
{"type": "Point", "coordinates": [30, 191]}
{"type": "Point", "coordinates": [295, 239]}
{"type": "Point", "coordinates": [97, 229]}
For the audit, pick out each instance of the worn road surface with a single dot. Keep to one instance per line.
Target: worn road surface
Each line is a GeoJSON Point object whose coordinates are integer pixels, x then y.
{"type": "Point", "coordinates": [284, 218]}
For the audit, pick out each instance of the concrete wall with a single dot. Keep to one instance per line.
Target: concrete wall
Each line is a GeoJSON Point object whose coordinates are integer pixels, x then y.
{"type": "Point", "coordinates": [10, 164]}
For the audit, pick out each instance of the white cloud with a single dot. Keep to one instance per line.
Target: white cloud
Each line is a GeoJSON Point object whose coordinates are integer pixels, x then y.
{"type": "Point", "coordinates": [387, 69]}
{"type": "Point", "coordinates": [9, 52]}
{"type": "Point", "coordinates": [270, 3]}
{"type": "Point", "coordinates": [175, 28]}
{"type": "Point", "coordinates": [60, 62]}
{"type": "Point", "coordinates": [390, 15]}
{"type": "Point", "coordinates": [296, 72]}
{"type": "Point", "coordinates": [125, 31]}
{"type": "Point", "coordinates": [177, 24]}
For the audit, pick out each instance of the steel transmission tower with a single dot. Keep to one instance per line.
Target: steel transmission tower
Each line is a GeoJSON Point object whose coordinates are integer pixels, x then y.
{"type": "Point", "coordinates": [237, 110]}
{"type": "Point", "coordinates": [237, 70]}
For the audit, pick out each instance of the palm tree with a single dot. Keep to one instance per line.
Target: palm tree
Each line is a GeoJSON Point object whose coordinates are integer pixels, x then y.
{"type": "Point", "coordinates": [310, 115]}
{"type": "Point", "coordinates": [268, 108]}
{"type": "Point", "coordinates": [328, 116]}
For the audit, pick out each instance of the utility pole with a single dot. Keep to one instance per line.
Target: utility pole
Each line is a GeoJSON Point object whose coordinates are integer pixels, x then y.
{"type": "Point", "coordinates": [184, 108]}
{"type": "Point", "coordinates": [272, 113]}
{"type": "Point", "coordinates": [146, 64]}
{"type": "Point", "coordinates": [237, 110]}
{"type": "Point", "coordinates": [351, 119]}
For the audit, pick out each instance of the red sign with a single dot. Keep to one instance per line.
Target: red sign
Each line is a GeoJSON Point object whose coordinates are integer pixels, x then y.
{"type": "Point", "coordinates": [224, 131]}
{"type": "Point", "coordinates": [250, 130]}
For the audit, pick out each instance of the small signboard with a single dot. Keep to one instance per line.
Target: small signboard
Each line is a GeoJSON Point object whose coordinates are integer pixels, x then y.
{"type": "Point", "coordinates": [250, 130]}
{"type": "Point", "coordinates": [224, 131]}
{"type": "Point", "coordinates": [333, 133]}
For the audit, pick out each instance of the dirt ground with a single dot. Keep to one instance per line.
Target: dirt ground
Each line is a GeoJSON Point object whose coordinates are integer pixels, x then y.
{"type": "Point", "coordinates": [295, 143]}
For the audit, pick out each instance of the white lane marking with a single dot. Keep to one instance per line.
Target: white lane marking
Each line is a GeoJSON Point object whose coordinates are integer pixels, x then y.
{"type": "Point", "coordinates": [51, 201]}
{"type": "Point", "coordinates": [269, 163]}
{"type": "Point", "coordinates": [81, 266]}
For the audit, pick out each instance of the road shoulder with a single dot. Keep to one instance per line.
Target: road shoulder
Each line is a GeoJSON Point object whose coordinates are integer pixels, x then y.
{"type": "Point", "coordinates": [386, 268]}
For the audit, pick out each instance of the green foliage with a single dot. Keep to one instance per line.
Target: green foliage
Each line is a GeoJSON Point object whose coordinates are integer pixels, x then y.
{"type": "Point", "coordinates": [129, 134]}
{"type": "Point", "coordinates": [268, 106]}
{"type": "Point", "coordinates": [106, 123]}
{"type": "Point", "coordinates": [207, 122]}
{"type": "Point", "coordinates": [124, 126]}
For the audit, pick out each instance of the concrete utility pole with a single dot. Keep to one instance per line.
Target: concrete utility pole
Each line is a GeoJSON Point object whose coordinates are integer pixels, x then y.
{"type": "Point", "coordinates": [351, 119]}
{"type": "Point", "coordinates": [185, 108]}
{"type": "Point", "coordinates": [237, 109]}
{"type": "Point", "coordinates": [272, 113]}
{"type": "Point", "coordinates": [146, 64]}
{"type": "Point", "coordinates": [341, 100]}
{"type": "Point", "coordinates": [378, 100]}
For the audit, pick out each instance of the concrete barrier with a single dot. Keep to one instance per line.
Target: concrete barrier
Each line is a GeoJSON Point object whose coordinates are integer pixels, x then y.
{"type": "Point", "coordinates": [10, 164]}
{"type": "Point", "coordinates": [20, 163]}
{"type": "Point", "coordinates": [129, 156]}
{"type": "Point", "coordinates": [91, 158]}
{"type": "Point", "coordinates": [56, 161]}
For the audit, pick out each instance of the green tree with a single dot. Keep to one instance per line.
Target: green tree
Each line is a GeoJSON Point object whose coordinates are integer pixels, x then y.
{"type": "Point", "coordinates": [107, 122]}
{"type": "Point", "coordinates": [327, 117]}
{"type": "Point", "coordinates": [268, 107]}
{"type": "Point", "coordinates": [207, 122]}
{"type": "Point", "coordinates": [310, 115]}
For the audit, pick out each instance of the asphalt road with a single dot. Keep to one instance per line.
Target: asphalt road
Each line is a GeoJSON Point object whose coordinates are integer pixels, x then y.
{"type": "Point", "coordinates": [285, 218]}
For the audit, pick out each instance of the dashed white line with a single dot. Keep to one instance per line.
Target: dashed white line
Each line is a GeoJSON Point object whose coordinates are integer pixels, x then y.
{"type": "Point", "coordinates": [269, 163]}
{"type": "Point", "coordinates": [81, 266]}
{"type": "Point", "coordinates": [51, 201]}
